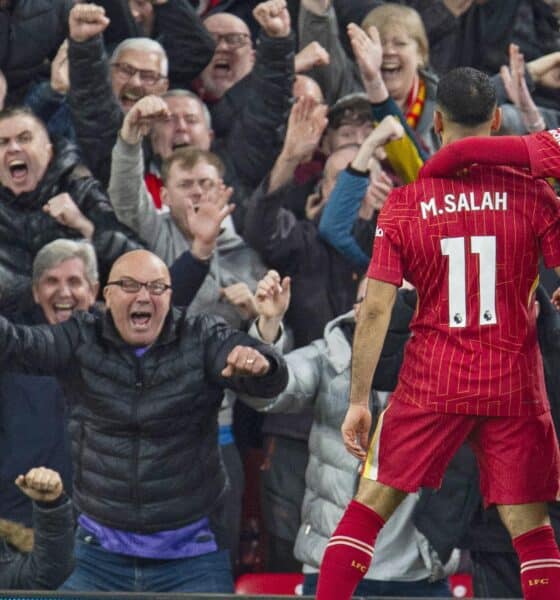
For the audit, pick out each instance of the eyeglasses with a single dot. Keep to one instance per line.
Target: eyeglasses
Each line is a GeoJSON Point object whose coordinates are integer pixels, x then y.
{"type": "Point", "coordinates": [127, 71]}
{"type": "Point", "coordinates": [131, 286]}
{"type": "Point", "coordinates": [233, 40]}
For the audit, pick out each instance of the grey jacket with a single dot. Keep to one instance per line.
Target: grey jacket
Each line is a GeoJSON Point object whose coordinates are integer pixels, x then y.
{"type": "Point", "coordinates": [233, 260]}
{"type": "Point", "coordinates": [319, 377]}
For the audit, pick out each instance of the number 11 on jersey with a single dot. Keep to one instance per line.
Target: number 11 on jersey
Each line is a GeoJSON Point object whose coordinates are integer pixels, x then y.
{"type": "Point", "coordinates": [485, 247]}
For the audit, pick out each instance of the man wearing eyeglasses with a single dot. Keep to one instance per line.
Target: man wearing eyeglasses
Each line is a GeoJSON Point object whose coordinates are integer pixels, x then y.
{"type": "Point", "coordinates": [148, 382]}
{"type": "Point", "coordinates": [138, 67]}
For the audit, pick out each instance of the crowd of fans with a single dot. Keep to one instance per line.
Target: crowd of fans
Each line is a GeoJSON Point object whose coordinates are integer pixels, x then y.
{"type": "Point", "coordinates": [189, 190]}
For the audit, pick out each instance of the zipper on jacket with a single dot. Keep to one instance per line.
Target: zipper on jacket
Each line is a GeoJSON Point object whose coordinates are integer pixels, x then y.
{"type": "Point", "coordinates": [139, 386]}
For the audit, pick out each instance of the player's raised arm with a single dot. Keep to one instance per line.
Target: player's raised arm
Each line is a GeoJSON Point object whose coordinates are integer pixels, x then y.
{"type": "Point", "coordinates": [538, 152]}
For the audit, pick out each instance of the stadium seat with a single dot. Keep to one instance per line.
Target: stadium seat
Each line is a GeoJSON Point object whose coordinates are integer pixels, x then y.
{"type": "Point", "coordinates": [278, 584]}
{"type": "Point", "coordinates": [461, 585]}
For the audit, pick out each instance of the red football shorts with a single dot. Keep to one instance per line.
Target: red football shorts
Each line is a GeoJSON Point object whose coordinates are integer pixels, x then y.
{"type": "Point", "coordinates": [518, 457]}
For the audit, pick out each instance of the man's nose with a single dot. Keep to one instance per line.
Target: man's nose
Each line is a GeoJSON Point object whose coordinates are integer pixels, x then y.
{"type": "Point", "coordinates": [181, 124]}
{"type": "Point", "coordinates": [13, 146]}
{"type": "Point", "coordinates": [222, 44]}
{"type": "Point", "coordinates": [135, 79]}
{"type": "Point", "coordinates": [143, 295]}
{"type": "Point", "coordinates": [64, 290]}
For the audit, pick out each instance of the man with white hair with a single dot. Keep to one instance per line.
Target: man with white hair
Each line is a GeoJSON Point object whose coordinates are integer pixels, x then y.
{"type": "Point", "coordinates": [138, 67]}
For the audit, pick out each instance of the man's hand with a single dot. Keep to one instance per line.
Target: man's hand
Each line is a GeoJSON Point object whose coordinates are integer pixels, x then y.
{"type": "Point", "coordinates": [306, 124]}
{"type": "Point", "coordinates": [317, 7]}
{"type": "Point", "coordinates": [141, 117]}
{"type": "Point", "coordinates": [387, 130]}
{"type": "Point", "coordinates": [313, 55]}
{"type": "Point", "coordinates": [273, 17]}
{"type": "Point", "coordinates": [203, 223]}
{"type": "Point", "coordinates": [515, 85]}
{"type": "Point", "coordinates": [60, 78]}
{"type": "Point", "coordinates": [241, 298]}
{"type": "Point", "coordinates": [86, 21]}
{"type": "Point", "coordinates": [355, 430]}
{"type": "Point", "coordinates": [545, 70]}
{"type": "Point", "coordinates": [272, 297]}
{"type": "Point", "coordinates": [313, 205]}
{"type": "Point", "coordinates": [40, 484]}
{"type": "Point", "coordinates": [245, 361]}
{"type": "Point", "coordinates": [63, 209]}
{"type": "Point", "coordinates": [380, 186]}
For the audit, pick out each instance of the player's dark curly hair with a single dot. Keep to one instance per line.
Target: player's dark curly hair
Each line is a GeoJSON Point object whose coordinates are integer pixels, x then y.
{"type": "Point", "coordinates": [466, 96]}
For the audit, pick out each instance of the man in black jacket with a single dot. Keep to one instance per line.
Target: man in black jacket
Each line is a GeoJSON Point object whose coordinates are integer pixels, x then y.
{"type": "Point", "coordinates": [31, 32]}
{"type": "Point", "coordinates": [148, 381]}
{"type": "Point", "coordinates": [50, 560]}
{"type": "Point", "coordinates": [45, 194]}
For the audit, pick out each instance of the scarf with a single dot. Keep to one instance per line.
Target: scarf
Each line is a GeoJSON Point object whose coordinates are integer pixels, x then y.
{"type": "Point", "coordinates": [415, 103]}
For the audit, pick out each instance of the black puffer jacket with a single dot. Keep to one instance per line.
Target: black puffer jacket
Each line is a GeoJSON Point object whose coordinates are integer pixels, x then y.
{"type": "Point", "coordinates": [25, 228]}
{"type": "Point", "coordinates": [144, 429]}
{"type": "Point", "coordinates": [30, 32]}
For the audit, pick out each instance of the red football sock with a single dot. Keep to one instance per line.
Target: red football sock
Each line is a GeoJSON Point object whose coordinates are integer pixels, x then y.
{"type": "Point", "coordinates": [540, 564]}
{"type": "Point", "coordinates": [349, 552]}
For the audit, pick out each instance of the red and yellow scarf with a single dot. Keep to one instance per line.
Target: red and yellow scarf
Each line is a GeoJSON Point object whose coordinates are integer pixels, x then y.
{"type": "Point", "coordinates": [415, 102]}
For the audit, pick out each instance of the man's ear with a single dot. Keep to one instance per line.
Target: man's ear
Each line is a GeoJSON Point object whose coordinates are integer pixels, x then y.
{"type": "Point", "coordinates": [35, 295]}
{"type": "Point", "coordinates": [496, 119]}
{"type": "Point", "coordinates": [438, 121]}
{"type": "Point", "coordinates": [164, 195]}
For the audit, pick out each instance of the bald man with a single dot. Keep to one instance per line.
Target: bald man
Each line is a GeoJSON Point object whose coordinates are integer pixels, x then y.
{"type": "Point", "coordinates": [147, 382]}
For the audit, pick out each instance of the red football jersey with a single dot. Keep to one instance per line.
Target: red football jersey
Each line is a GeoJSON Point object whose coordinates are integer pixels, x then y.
{"type": "Point", "coordinates": [544, 153]}
{"type": "Point", "coordinates": [471, 245]}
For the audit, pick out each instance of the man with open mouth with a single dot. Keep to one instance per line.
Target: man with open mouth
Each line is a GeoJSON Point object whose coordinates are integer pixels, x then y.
{"type": "Point", "coordinates": [147, 383]}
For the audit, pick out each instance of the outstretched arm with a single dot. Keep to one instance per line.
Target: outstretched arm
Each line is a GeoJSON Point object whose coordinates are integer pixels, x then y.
{"type": "Point", "coordinates": [538, 152]}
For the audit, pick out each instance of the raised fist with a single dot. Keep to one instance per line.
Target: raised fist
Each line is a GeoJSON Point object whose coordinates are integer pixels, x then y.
{"type": "Point", "coordinates": [41, 484]}
{"type": "Point", "coordinates": [141, 117]}
{"type": "Point", "coordinates": [313, 55]}
{"type": "Point", "coordinates": [273, 17]}
{"type": "Point", "coordinates": [86, 21]}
